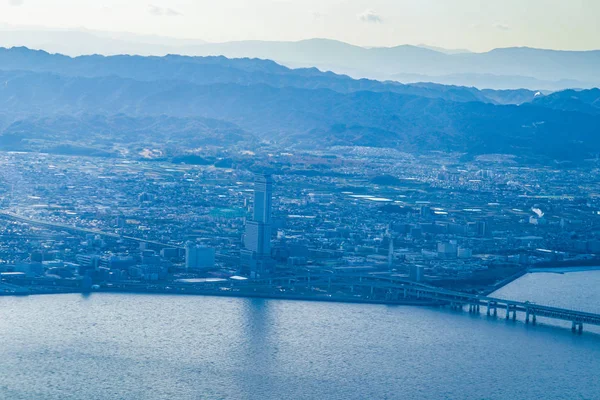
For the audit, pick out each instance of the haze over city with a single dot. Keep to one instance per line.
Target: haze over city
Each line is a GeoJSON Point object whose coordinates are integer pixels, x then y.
{"type": "Point", "coordinates": [299, 199]}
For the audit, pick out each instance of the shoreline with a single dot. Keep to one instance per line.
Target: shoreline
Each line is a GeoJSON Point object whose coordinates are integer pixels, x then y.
{"type": "Point", "coordinates": [505, 282]}
{"type": "Point", "coordinates": [267, 296]}
{"type": "Point", "coordinates": [562, 270]}
{"type": "Point", "coordinates": [29, 291]}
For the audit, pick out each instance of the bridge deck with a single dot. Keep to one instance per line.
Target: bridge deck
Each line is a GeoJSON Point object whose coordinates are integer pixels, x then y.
{"type": "Point", "coordinates": [412, 289]}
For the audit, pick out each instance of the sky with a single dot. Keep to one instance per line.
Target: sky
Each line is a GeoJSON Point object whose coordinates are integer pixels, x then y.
{"type": "Point", "coordinates": [478, 25]}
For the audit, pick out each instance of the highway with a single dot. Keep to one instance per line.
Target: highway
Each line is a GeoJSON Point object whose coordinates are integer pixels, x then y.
{"type": "Point", "coordinates": [72, 228]}
{"type": "Point", "coordinates": [393, 289]}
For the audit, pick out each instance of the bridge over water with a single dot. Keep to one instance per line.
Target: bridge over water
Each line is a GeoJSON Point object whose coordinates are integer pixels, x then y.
{"type": "Point", "coordinates": [394, 289]}
{"type": "Point", "coordinates": [350, 288]}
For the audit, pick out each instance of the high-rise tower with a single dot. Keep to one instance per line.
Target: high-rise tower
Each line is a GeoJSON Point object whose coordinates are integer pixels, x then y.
{"type": "Point", "coordinates": [263, 195]}
{"type": "Point", "coordinates": [256, 258]}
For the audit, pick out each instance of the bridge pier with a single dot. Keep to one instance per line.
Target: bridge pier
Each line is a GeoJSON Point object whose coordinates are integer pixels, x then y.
{"type": "Point", "coordinates": [454, 300]}
{"type": "Point", "coordinates": [577, 327]}
{"type": "Point", "coordinates": [510, 308]}
{"type": "Point", "coordinates": [492, 306]}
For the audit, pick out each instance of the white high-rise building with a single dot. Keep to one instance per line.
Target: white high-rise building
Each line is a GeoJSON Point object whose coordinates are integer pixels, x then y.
{"type": "Point", "coordinates": [199, 257]}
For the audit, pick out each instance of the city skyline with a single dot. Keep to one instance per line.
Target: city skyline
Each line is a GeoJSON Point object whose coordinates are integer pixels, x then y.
{"type": "Point", "coordinates": [299, 199]}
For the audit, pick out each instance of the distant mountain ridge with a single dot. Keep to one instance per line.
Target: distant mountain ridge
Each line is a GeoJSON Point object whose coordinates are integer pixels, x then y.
{"type": "Point", "coordinates": [547, 66]}
{"type": "Point", "coordinates": [505, 68]}
{"type": "Point", "coordinates": [211, 70]}
{"type": "Point", "coordinates": [445, 51]}
{"type": "Point", "coordinates": [84, 41]}
{"type": "Point", "coordinates": [182, 101]}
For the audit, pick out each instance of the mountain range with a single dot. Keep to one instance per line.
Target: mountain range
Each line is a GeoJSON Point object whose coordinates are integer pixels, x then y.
{"type": "Point", "coordinates": [212, 70]}
{"type": "Point", "coordinates": [104, 103]}
{"type": "Point", "coordinates": [506, 68]}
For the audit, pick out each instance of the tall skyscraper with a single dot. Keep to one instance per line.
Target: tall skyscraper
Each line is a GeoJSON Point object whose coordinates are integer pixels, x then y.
{"type": "Point", "coordinates": [263, 198]}
{"type": "Point", "coordinates": [256, 258]}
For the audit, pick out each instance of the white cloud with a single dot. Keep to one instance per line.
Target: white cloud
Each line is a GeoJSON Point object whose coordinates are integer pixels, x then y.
{"type": "Point", "coordinates": [501, 26]}
{"type": "Point", "coordinates": [163, 11]}
{"type": "Point", "coordinates": [16, 3]}
{"type": "Point", "coordinates": [370, 16]}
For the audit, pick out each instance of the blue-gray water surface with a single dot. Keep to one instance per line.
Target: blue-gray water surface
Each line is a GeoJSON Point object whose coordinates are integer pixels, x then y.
{"type": "Point", "coordinates": [117, 346]}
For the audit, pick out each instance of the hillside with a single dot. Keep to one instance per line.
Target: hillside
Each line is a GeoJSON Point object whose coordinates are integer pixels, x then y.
{"type": "Point", "coordinates": [213, 70]}
{"type": "Point", "coordinates": [240, 100]}
{"type": "Point", "coordinates": [117, 135]}
{"type": "Point", "coordinates": [585, 101]}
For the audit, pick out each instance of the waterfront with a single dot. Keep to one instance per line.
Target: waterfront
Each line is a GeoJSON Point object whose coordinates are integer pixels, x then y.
{"type": "Point", "coordinates": [109, 346]}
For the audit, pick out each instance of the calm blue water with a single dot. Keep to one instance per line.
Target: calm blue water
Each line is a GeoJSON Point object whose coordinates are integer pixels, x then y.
{"type": "Point", "coordinates": [169, 347]}
{"type": "Point", "coordinates": [574, 290]}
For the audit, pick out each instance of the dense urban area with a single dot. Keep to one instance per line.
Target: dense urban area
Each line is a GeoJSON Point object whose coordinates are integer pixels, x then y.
{"type": "Point", "coordinates": [72, 224]}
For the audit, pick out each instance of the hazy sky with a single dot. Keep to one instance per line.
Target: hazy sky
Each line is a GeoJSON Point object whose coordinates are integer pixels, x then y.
{"type": "Point", "coordinates": [474, 24]}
